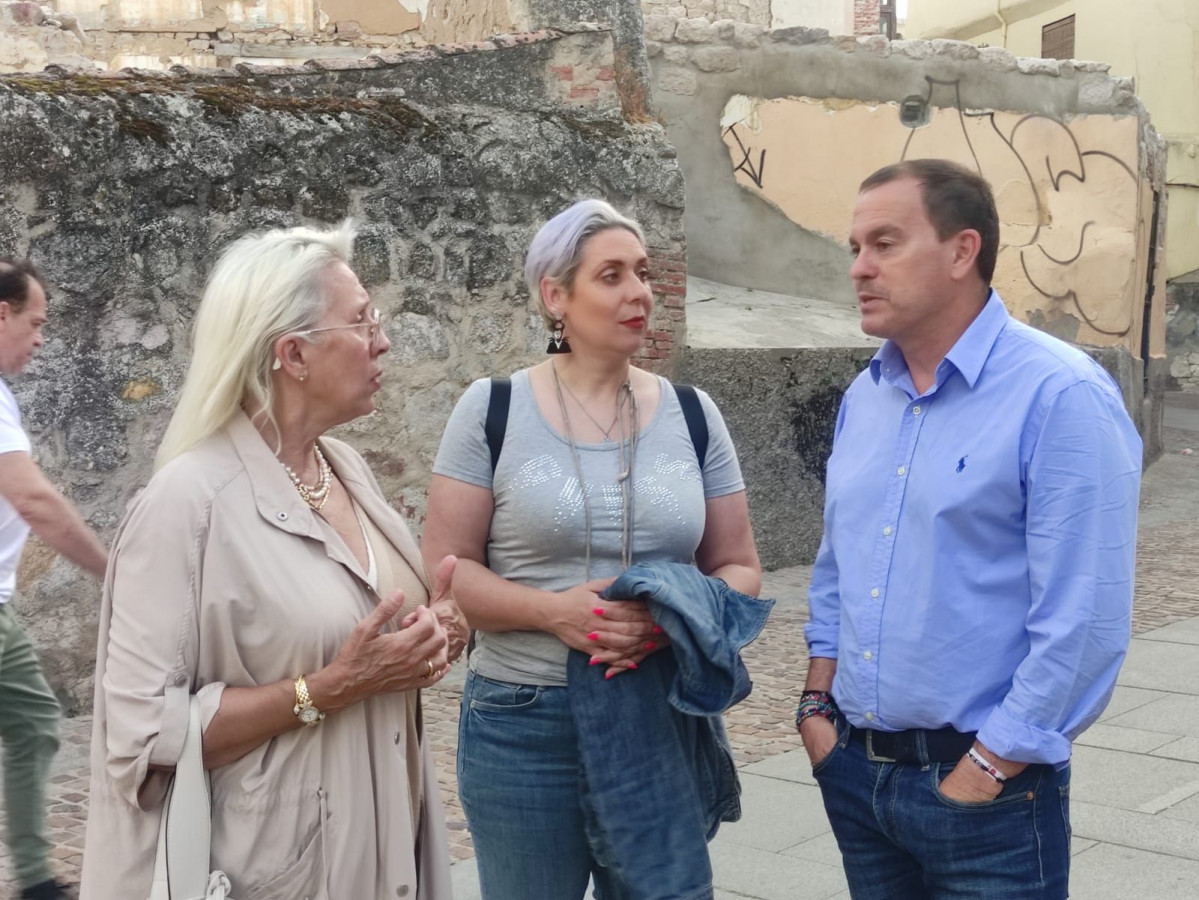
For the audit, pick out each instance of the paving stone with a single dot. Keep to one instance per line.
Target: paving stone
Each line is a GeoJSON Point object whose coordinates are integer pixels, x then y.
{"type": "Point", "coordinates": [790, 766]}
{"type": "Point", "coordinates": [1138, 830]}
{"type": "Point", "coordinates": [822, 849]}
{"type": "Point", "coordinates": [1134, 740]}
{"type": "Point", "coordinates": [1157, 665]}
{"type": "Point", "coordinates": [1127, 698]}
{"type": "Point", "coordinates": [1184, 748]}
{"type": "Point", "coordinates": [1131, 781]}
{"type": "Point", "coordinates": [1110, 872]}
{"type": "Point", "coordinates": [775, 814]}
{"type": "Point", "coordinates": [1173, 713]}
{"type": "Point", "coordinates": [1186, 632]}
{"type": "Point", "coordinates": [749, 872]}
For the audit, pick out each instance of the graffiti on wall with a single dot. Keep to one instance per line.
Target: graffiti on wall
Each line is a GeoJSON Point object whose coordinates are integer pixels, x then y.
{"type": "Point", "coordinates": [1068, 192]}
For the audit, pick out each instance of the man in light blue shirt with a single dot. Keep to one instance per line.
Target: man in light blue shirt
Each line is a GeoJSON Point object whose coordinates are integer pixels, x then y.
{"type": "Point", "coordinates": [972, 597]}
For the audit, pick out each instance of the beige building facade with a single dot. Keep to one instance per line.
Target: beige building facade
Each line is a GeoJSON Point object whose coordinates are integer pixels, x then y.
{"type": "Point", "coordinates": [1155, 43]}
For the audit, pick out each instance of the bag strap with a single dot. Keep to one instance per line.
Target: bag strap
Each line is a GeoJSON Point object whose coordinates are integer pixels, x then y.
{"type": "Point", "coordinates": [496, 423]}
{"type": "Point", "coordinates": [181, 866]}
{"type": "Point", "coordinates": [697, 422]}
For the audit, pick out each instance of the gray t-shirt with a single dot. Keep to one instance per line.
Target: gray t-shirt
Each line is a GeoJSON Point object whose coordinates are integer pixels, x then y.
{"type": "Point", "coordinates": [538, 535]}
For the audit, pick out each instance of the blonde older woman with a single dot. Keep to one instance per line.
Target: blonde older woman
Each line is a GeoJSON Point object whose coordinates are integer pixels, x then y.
{"type": "Point", "coordinates": [597, 471]}
{"type": "Point", "coordinates": [263, 571]}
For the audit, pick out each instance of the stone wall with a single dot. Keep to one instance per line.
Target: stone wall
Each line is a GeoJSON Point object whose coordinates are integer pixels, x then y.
{"type": "Point", "coordinates": [156, 34]}
{"type": "Point", "coordinates": [1182, 333]}
{"type": "Point", "coordinates": [757, 12]}
{"type": "Point", "coordinates": [125, 188]}
{"type": "Point", "coordinates": [781, 406]}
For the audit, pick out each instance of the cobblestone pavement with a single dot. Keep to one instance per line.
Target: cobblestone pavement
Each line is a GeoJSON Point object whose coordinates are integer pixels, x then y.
{"type": "Point", "coordinates": [760, 727]}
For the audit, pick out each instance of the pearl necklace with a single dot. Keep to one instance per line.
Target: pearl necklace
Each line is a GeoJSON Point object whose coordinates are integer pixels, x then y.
{"type": "Point", "coordinates": [316, 496]}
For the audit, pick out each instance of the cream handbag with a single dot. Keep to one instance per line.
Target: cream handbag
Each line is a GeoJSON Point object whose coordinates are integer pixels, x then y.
{"type": "Point", "coordinates": [185, 836]}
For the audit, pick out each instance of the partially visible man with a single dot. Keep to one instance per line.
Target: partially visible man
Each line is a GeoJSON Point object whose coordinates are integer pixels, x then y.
{"type": "Point", "coordinates": [28, 709]}
{"type": "Point", "coordinates": [971, 600]}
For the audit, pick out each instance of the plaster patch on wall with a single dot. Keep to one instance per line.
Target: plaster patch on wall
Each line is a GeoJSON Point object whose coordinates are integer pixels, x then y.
{"type": "Point", "coordinates": [1068, 192]}
{"type": "Point", "coordinates": [743, 112]}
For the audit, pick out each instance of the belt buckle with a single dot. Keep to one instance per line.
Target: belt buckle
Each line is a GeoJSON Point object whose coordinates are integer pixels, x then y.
{"type": "Point", "coordinates": [870, 754]}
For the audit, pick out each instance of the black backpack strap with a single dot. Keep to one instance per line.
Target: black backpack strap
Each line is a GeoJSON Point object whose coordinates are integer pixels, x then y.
{"type": "Point", "coordinates": [497, 417]}
{"type": "Point", "coordinates": [697, 422]}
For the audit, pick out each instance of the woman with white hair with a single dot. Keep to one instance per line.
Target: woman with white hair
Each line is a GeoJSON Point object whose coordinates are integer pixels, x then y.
{"type": "Point", "coordinates": [596, 468]}
{"type": "Point", "coordinates": [263, 571]}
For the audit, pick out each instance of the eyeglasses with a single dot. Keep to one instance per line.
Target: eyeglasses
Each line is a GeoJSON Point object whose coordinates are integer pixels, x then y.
{"type": "Point", "coordinates": [373, 326]}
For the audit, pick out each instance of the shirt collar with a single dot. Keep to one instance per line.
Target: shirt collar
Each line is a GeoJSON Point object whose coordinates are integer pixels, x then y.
{"type": "Point", "coordinates": [968, 355]}
{"type": "Point", "coordinates": [970, 352]}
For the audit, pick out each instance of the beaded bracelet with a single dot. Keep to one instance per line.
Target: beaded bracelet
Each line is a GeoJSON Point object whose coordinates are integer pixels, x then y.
{"type": "Point", "coordinates": [819, 704]}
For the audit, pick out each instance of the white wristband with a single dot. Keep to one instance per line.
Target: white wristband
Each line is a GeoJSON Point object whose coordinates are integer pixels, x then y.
{"type": "Point", "coordinates": [981, 762]}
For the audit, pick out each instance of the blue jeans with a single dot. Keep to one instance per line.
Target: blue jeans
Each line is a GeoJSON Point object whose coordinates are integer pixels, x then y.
{"type": "Point", "coordinates": [902, 839]}
{"type": "Point", "coordinates": [519, 783]}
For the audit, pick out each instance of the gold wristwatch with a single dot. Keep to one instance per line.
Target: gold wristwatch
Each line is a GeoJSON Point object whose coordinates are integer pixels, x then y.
{"type": "Point", "coordinates": [304, 710]}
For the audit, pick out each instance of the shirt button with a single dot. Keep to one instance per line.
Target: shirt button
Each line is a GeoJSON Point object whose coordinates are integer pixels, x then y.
{"type": "Point", "coordinates": [915, 410]}
{"type": "Point", "coordinates": [867, 655]}
{"type": "Point", "coordinates": [887, 531]}
{"type": "Point", "coordinates": [282, 517]}
{"type": "Point", "coordinates": [396, 738]}
{"type": "Point", "coordinates": [902, 470]}
{"type": "Point", "coordinates": [402, 890]}
{"type": "Point", "coordinates": [869, 716]}
{"type": "Point", "coordinates": [874, 592]}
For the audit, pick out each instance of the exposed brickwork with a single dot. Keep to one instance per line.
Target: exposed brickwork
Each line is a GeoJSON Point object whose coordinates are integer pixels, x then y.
{"type": "Point", "coordinates": [668, 274]}
{"type": "Point", "coordinates": [865, 17]}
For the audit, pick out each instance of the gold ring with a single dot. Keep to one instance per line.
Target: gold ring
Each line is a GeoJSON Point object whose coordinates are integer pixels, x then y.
{"type": "Point", "coordinates": [432, 671]}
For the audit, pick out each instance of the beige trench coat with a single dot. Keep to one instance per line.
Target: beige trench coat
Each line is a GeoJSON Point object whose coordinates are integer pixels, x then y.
{"type": "Point", "coordinates": [223, 576]}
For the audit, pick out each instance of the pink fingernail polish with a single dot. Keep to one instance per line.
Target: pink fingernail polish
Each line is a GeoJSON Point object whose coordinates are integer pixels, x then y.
{"type": "Point", "coordinates": [594, 636]}
{"type": "Point", "coordinates": [599, 610]}
{"type": "Point", "coordinates": [595, 661]}
{"type": "Point", "coordinates": [632, 665]}
{"type": "Point", "coordinates": [650, 645]}
{"type": "Point", "coordinates": [657, 629]}
{"type": "Point", "coordinates": [608, 677]}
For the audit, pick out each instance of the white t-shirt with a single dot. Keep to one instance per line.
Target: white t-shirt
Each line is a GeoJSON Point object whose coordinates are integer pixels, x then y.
{"type": "Point", "coordinates": [13, 530]}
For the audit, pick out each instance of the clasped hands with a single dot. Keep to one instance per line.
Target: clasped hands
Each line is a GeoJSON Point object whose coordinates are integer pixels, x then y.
{"type": "Point", "coordinates": [618, 634]}
{"type": "Point", "coordinates": [375, 659]}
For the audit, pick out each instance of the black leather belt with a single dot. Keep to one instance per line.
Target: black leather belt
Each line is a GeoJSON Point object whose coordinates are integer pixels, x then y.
{"type": "Point", "coordinates": [940, 746]}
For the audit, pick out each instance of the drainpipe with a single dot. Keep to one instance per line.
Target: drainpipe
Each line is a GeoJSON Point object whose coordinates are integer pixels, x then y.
{"type": "Point", "coordinates": [1002, 20]}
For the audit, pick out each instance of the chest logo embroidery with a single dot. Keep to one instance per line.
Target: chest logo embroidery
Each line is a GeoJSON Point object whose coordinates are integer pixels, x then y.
{"type": "Point", "coordinates": [962, 463]}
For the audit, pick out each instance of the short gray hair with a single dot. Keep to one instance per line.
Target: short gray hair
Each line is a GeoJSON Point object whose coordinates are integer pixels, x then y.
{"type": "Point", "coordinates": [558, 247]}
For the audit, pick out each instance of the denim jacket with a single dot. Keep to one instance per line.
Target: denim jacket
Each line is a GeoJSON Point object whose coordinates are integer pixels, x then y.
{"type": "Point", "coordinates": [657, 768]}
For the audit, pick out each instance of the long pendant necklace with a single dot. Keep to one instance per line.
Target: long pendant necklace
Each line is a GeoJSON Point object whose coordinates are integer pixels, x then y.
{"type": "Point", "coordinates": [624, 477]}
{"type": "Point", "coordinates": [607, 432]}
{"type": "Point", "coordinates": [318, 495]}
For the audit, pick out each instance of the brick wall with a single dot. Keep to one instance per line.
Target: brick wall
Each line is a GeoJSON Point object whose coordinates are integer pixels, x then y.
{"type": "Point", "coordinates": [865, 17]}
{"type": "Point", "coordinates": [668, 275]}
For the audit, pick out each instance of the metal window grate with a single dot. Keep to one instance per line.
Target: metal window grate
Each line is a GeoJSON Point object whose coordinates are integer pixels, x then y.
{"type": "Point", "coordinates": [1057, 39]}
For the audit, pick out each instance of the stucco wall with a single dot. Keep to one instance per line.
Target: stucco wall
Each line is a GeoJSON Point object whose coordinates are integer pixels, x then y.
{"type": "Point", "coordinates": [775, 130]}
{"type": "Point", "coordinates": [1155, 43]}
{"type": "Point", "coordinates": [124, 189]}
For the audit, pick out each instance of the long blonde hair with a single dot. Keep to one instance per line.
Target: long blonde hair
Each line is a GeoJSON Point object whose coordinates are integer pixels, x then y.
{"type": "Point", "coordinates": [263, 287]}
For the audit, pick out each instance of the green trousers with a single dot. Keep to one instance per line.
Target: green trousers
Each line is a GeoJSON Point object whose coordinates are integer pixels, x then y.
{"type": "Point", "coordinates": [29, 715]}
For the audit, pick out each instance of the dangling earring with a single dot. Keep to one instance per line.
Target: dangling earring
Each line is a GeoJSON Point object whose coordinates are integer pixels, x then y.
{"type": "Point", "coordinates": [558, 342]}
